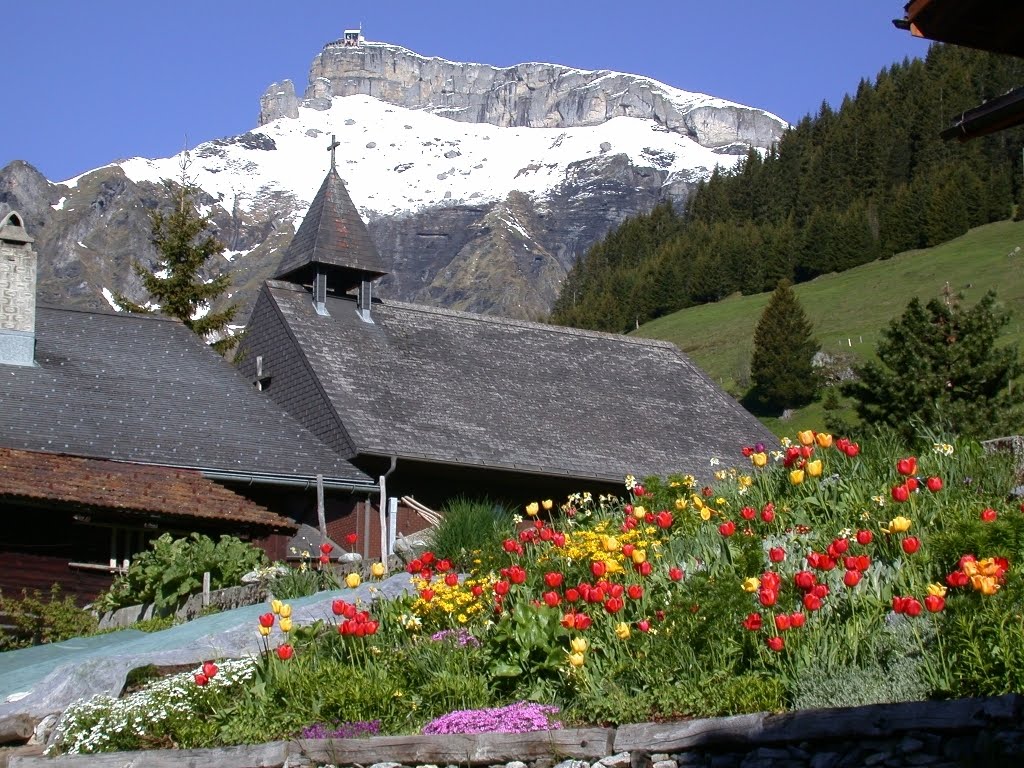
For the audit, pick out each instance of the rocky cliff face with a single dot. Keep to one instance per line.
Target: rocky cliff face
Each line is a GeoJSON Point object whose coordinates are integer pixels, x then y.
{"type": "Point", "coordinates": [480, 185]}
{"type": "Point", "coordinates": [527, 95]}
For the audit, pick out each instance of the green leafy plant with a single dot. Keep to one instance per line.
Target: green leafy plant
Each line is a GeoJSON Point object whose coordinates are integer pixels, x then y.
{"type": "Point", "coordinates": [470, 527]}
{"type": "Point", "coordinates": [35, 619]}
{"type": "Point", "coordinates": [173, 570]}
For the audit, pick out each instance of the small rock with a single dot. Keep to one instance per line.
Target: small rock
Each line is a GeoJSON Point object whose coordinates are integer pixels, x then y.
{"type": "Point", "coordinates": [371, 144]}
{"type": "Point", "coordinates": [621, 760]}
{"type": "Point", "coordinates": [605, 146]}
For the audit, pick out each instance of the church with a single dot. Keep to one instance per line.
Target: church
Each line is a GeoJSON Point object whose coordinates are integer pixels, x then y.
{"type": "Point", "coordinates": [438, 403]}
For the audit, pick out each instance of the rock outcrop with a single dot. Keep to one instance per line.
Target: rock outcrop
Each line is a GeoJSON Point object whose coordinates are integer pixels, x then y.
{"type": "Point", "coordinates": [529, 95]}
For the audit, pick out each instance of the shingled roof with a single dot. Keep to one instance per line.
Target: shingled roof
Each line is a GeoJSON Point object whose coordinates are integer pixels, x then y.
{"type": "Point", "coordinates": [146, 390]}
{"type": "Point", "coordinates": [132, 489]}
{"type": "Point", "coordinates": [483, 391]}
{"type": "Point", "coordinates": [333, 237]}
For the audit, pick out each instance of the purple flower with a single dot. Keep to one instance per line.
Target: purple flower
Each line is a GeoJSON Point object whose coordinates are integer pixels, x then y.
{"type": "Point", "coordinates": [520, 717]}
{"type": "Point", "coordinates": [461, 636]}
{"type": "Point", "coordinates": [338, 730]}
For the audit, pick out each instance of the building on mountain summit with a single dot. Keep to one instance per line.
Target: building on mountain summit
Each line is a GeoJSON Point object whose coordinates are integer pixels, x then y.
{"type": "Point", "coordinates": [443, 403]}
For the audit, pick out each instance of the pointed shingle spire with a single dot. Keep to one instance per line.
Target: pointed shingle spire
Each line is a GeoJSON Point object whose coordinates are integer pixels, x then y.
{"type": "Point", "coordinates": [332, 240]}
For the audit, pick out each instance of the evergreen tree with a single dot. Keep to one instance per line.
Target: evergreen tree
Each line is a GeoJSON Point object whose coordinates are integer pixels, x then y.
{"type": "Point", "coordinates": [781, 368]}
{"type": "Point", "coordinates": [939, 367]}
{"type": "Point", "coordinates": [176, 284]}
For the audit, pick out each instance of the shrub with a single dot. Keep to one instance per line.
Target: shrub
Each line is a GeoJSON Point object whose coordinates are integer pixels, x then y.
{"type": "Point", "coordinates": [173, 570]}
{"type": "Point", "coordinates": [469, 528]}
{"type": "Point", "coordinates": [36, 619]}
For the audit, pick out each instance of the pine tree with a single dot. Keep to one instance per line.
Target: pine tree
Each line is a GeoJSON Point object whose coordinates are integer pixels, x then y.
{"type": "Point", "coordinates": [939, 367]}
{"type": "Point", "coordinates": [175, 284]}
{"type": "Point", "coordinates": [781, 368]}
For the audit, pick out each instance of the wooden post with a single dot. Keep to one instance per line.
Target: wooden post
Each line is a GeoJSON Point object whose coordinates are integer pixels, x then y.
{"type": "Point", "coordinates": [320, 515]}
{"type": "Point", "coordinates": [206, 589]}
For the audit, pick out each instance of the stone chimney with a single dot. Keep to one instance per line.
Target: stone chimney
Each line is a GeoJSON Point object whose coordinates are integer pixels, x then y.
{"type": "Point", "coordinates": [17, 292]}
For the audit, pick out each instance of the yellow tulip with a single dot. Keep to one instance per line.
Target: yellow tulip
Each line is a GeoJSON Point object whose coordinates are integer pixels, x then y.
{"type": "Point", "coordinates": [532, 508]}
{"type": "Point", "coordinates": [377, 570]}
{"type": "Point", "coordinates": [264, 630]}
{"type": "Point", "coordinates": [284, 610]}
{"type": "Point", "coordinates": [814, 468]}
{"type": "Point", "coordinates": [938, 590]}
{"type": "Point", "coordinates": [751, 584]}
{"type": "Point", "coordinates": [796, 476]}
{"type": "Point", "coordinates": [622, 630]}
{"type": "Point", "coordinates": [680, 503]}
{"type": "Point", "coordinates": [611, 544]}
{"type": "Point", "coordinates": [275, 606]}
{"type": "Point", "coordinates": [353, 580]}
{"type": "Point", "coordinates": [823, 439]}
{"type": "Point", "coordinates": [899, 524]}
{"type": "Point", "coordinates": [705, 513]}
{"type": "Point", "coordinates": [286, 625]}
{"type": "Point", "coordinates": [806, 437]}
{"type": "Point", "coordinates": [576, 659]}
{"type": "Point", "coordinates": [547, 504]}
{"type": "Point", "coordinates": [639, 512]}
{"type": "Point", "coordinates": [759, 459]}
{"type": "Point", "coordinates": [578, 644]}
{"type": "Point", "coordinates": [639, 555]}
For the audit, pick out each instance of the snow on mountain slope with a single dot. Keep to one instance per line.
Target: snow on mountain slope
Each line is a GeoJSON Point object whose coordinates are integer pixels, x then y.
{"type": "Point", "coordinates": [396, 160]}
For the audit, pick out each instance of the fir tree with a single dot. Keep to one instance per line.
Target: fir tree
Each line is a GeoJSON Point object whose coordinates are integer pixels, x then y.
{"type": "Point", "coordinates": [781, 368]}
{"type": "Point", "coordinates": [939, 367]}
{"type": "Point", "coordinates": [175, 284]}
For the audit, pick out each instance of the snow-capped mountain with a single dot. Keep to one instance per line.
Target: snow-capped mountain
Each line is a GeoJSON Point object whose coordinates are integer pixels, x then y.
{"type": "Point", "coordinates": [481, 185]}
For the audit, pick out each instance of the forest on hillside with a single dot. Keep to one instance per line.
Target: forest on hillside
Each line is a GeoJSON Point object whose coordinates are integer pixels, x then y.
{"type": "Point", "coordinates": [842, 188]}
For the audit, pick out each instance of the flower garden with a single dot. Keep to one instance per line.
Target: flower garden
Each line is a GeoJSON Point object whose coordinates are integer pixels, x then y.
{"type": "Point", "coordinates": [815, 573]}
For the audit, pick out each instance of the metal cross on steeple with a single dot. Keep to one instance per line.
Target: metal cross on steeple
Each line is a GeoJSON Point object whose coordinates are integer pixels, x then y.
{"type": "Point", "coordinates": [334, 145]}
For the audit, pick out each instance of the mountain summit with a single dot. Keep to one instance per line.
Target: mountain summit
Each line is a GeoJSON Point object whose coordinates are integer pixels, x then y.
{"type": "Point", "coordinates": [480, 185]}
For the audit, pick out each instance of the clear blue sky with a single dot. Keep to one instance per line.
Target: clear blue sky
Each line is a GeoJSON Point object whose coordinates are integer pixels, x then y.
{"type": "Point", "coordinates": [88, 82]}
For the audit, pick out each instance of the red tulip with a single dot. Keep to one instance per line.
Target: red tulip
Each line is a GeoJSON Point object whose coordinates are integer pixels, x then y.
{"type": "Point", "coordinates": [501, 587]}
{"type": "Point", "coordinates": [797, 619]}
{"type": "Point", "coordinates": [477, 590]}
{"type": "Point", "coordinates": [516, 574]}
{"type": "Point", "coordinates": [285, 651]}
{"type": "Point", "coordinates": [553, 579]}
{"type": "Point", "coordinates": [415, 566]}
{"type": "Point", "coordinates": [768, 512]}
{"type": "Point", "coordinates": [912, 607]}
{"type": "Point", "coordinates": [753, 622]}
{"type": "Point", "coordinates": [664, 519]}
{"type": "Point", "coordinates": [324, 559]}
{"type": "Point", "coordinates": [863, 563]}
{"type": "Point", "coordinates": [852, 450]}
{"type": "Point", "coordinates": [582, 621]}
{"type": "Point", "coordinates": [911, 544]}
{"type": "Point", "coordinates": [805, 580]}
{"type": "Point", "coordinates": [326, 547]}
{"type": "Point", "coordinates": [907, 466]}
{"type": "Point", "coordinates": [988, 515]}
{"type": "Point", "coordinates": [934, 484]}
{"type": "Point", "coordinates": [934, 603]}
{"type": "Point", "coordinates": [428, 594]}
{"type": "Point", "coordinates": [820, 590]}
{"type": "Point", "coordinates": [900, 493]}
{"type": "Point", "coordinates": [558, 539]}
{"type": "Point", "coordinates": [776, 554]}
{"type": "Point", "coordinates": [551, 599]}
{"type": "Point", "coordinates": [864, 537]}
{"type": "Point", "coordinates": [767, 597]}
{"type": "Point", "coordinates": [644, 568]}
{"type": "Point", "coordinates": [627, 550]}
{"type": "Point", "coordinates": [201, 679]}
{"type": "Point", "coordinates": [783, 622]}
{"type": "Point", "coordinates": [451, 579]}
{"type": "Point", "coordinates": [957, 579]}
{"type": "Point", "coordinates": [911, 483]}
{"type": "Point", "coordinates": [812, 602]}
{"type": "Point", "coordinates": [210, 669]}
{"type": "Point", "coordinates": [613, 604]}
{"type": "Point", "coordinates": [771, 580]}
{"type": "Point", "coordinates": [775, 643]}
{"type": "Point", "coordinates": [851, 578]}
{"type": "Point", "coordinates": [351, 538]}
{"type": "Point", "coordinates": [614, 590]}
{"type": "Point", "coordinates": [839, 546]}
{"type": "Point", "coordinates": [546, 534]}
{"type": "Point", "coordinates": [598, 568]}
{"type": "Point", "coordinates": [727, 529]}
{"type": "Point", "coordinates": [676, 574]}
{"type": "Point", "coordinates": [635, 591]}
{"type": "Point", "coordinates": [444, 565]}
{"type": "Point", "coordinates": [748, 513]}
{"type": "Point", "coordinates": [267, 620]}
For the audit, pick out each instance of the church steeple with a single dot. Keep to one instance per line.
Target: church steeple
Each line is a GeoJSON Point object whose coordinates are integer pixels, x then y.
{"type": "Point", "coordinates": [332, 248]}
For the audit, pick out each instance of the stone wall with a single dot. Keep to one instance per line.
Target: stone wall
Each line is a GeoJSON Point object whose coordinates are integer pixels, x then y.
{"type": "Point", "coordinates": [965, 732]}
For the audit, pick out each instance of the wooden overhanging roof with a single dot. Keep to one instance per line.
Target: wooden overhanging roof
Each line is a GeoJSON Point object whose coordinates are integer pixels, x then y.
{"type": "Point", "coordinates": [437, 385]}
{"type": "Point", "coordinates": [988, 25]}
{"type": "Point", "coordinates": [118, 489]}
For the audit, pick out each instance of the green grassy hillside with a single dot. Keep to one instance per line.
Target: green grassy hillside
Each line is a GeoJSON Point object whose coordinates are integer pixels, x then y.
{"type": "Point", "coordinates": [850, 309]}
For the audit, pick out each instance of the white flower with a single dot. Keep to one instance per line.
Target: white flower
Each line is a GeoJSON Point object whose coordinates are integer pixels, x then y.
{"type": "Point", "coordinates": [943, 448]}
{"type": "Point", "coordinates": [714, 461]}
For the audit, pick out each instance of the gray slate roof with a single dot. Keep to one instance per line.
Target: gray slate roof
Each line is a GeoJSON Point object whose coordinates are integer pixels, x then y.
{"type": "Point", "coordinates": [448, 386]}
{"type": "Point", "coordinates": [333, 236]}
{"type": "Point", "coordinates": [145, 389]}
